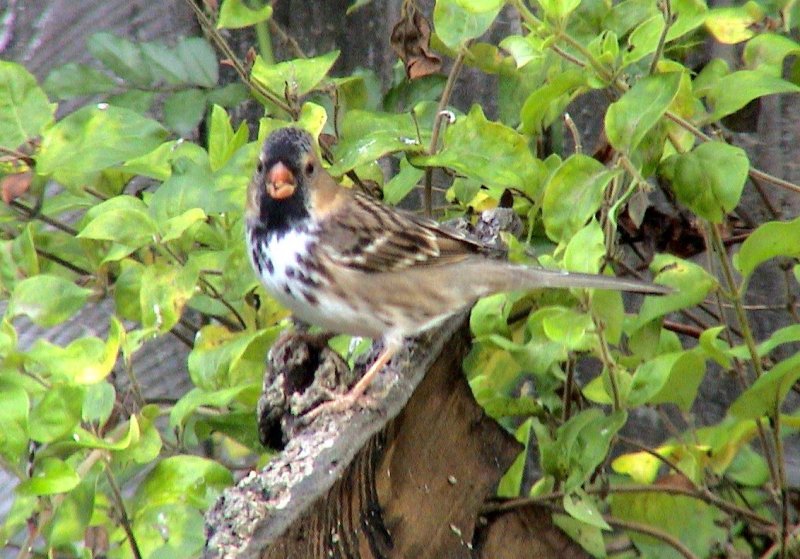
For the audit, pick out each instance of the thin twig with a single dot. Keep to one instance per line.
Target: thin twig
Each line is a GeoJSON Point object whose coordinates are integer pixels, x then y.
{"type": "Point", "coordinates": [237, 65]}
{"type": "Point", "coordinates": [573, 130]}
{"type": "Point", "coordinates": [700, 494]}
{"type": "Point", "coordinates": [58, 260]}
{"type": "Point", "coordinates": [286, 38]}
{"type": "Point", "coordinates": [31, 213]}
{"type": "Point", "coordinates": [568, 382]}
{"type": "Point", "coordinates": [666, 10]}
{"type": "Point", "coordinates": [437, 124]}
{"type": "Point", "coordinates": [123, 513]}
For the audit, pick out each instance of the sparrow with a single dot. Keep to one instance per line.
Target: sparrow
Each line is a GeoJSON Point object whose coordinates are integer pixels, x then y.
{"type": "Point", "coordinates": [352, 265]}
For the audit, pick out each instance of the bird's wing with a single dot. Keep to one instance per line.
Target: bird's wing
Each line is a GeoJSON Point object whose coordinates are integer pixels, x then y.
{"type": "Point", "coordinates": [367, 235]}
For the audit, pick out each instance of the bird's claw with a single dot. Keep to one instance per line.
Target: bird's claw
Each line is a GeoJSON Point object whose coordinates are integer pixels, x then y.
{"type": "Point", "coordinates": [341, 402]}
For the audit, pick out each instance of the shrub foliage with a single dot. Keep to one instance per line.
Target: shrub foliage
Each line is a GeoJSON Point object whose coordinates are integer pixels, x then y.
{"type": "Point", "coordinates": [109, 203]}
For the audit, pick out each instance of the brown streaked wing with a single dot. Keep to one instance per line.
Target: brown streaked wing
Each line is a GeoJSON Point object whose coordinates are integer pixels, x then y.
{"type": "Point", "coordinates": [366, 235]}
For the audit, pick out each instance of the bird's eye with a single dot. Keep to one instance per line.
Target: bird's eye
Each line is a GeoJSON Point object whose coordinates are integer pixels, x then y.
{"type": "Point", "coordinates": [309, 168]}
{"type": "Point", "coordinates": [260, 166]}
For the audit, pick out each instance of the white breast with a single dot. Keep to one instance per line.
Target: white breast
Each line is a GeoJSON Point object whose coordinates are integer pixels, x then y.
{"type": "Point", "coordinates": [303, 291]}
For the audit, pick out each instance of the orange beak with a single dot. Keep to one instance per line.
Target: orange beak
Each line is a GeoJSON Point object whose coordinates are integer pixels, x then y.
{"type": "Point", "coordinates": [280, 182]}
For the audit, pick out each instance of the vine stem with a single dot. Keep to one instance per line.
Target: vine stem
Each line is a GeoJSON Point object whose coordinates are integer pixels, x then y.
{"type": "Point", "coordinates": [123, 513]}
{"type": "Point", "coordinates": [736, 295]}
{"type": "Point", "coordinates": [666, 10]}
{"type": "Point", "coordinates": [238, 67]}
{"type": "Point", "coordinates": [437, 126]}
{"type": "Point", "coordinates": [608, 362]}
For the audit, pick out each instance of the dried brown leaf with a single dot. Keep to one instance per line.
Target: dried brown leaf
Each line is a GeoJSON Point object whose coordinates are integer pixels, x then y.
{"type": "Point", "coordinates": [411, 38]}
{"type": "Point", "coordinates": [14, 186]}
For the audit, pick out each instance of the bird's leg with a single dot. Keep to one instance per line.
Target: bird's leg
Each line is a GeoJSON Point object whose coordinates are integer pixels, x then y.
{"type": "Point", "coordinates": [346, 401]}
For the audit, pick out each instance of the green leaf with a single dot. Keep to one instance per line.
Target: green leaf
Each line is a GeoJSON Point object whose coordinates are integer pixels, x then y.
{"type": "Point", "coordinates": [75, 80]}
{"type": "Point", "coordinates": [299, 75]}
{"type": "Point", "coordinates": [767, 393]}
{"type": "Point", "coordinates": [190, 186]}
{"type": "Point", "coordinates": [46, 299]}
{"type": "Point", "coordinates": [18, 258]}
{"type": "Point", "coordinates": [768, 241]}
{"type": "Point", "coordinates": [582, 507]}
{"type": "Point", "coordinates": [121, 57]}
{"type": "Point", "coordinates": [50, 477]}
{"type": "Point", "coordinates": [136, 100]}
{"type": "Point", "coordinates": [164, 63]}
{"type": "Point", "coordinates": [164, 293]}
{"type": "Point", "coordinates": [573, 195]}
{"type": "Point", "coordinates": [548, 102]}
{"type": "Point", "coordinates": [189, 480]}
{"type": "Point", "coordinates": [14, 404]}
{"type": "Point", "coordinates": [490, 315]}
{"type": "Point", "coordinates": [709, 179]}
{"type": "Point", "coordinates": [402, 183]}
{"type": "Point", "coordinates": [176, 226]}
{"type": "Point", "coordinates": [522, 49]}
{"type": "Point", "coordinates": [669, 378]}
{"type": "Point", "coordinates": [222, 141]}
{"type": "Point", "coordinates": [95, 138]}
{"type": "Point", "coordinates": [73, 514]}
{"type": "Point", "coordinates": [184, 110]}
{"type": "Point", "coordinates": [98, 403]}
{"type": "Point", "coordinates": [173, 531]}
{"type": "Point", "coordinates": [146, 447]}
{"type": "Point", "coordinates": [735, 90]}
{"type": "Point", "coordinates": [221, 359]}
{"type": "Point", "coordinates": [690, 282]}
{"type": "Point", "coordinates": [489, 152]}
{"type": "Point", "coordinates": [690, 520]}
{"type": "Point", "coordinates": [734, 24]}
{"type": "Point", "coordinates": [641, 467]}
{"type": "Point", "coordinates": [766, 53]}
{"type": "Point", "coordinates": [510, 484]}
{"type": "Point", "coordinates": [628, 120]}
{"type": "Point", "coordinates": [24, 108]}
{"type": "Point", "coordinates": [581, 444]}
{"type": "Point", "coordinates": [558, 10]}
{"type": "Point", "coordinates": [86, 360]}
{"type": "Point", "coordinates": [197, 397]}
{"type": "Point", "coordinates": [457, 21]}
{"type": "Point", "coordinates": [367, 136]}
{"type": "Point", "coordinates": [714, 347]}
{"type": "Point", "coordinates": [586, 249]}
{"type": "Point", "coordinates": [56, 414]}
{"type": "Point", "coordinates": [234, 14]}
{"type": "Point", "coordinates": [126, 226]}
{"type": "Point", "coordinates": [199, 60]}
{"type": "Point", "coordinates": [590, 538]}
{"type": "Point", "coordinates": [85, 439]}
{"type": "Point", "coordinates": [568, 326]}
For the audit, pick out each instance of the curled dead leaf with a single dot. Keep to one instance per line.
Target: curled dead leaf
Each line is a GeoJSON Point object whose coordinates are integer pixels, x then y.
{"type": "Point", "coordinates": [14, 186]}
{"type": "Point", "coordinates": [411, 38]}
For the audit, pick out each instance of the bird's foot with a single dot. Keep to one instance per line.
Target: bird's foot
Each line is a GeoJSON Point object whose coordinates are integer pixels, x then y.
{"type": "Point", "coordinates": [339, 403]}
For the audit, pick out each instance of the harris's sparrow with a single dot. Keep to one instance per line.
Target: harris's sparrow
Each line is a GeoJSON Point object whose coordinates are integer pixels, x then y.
{"type": "Point", "coordinates": [352, 265]}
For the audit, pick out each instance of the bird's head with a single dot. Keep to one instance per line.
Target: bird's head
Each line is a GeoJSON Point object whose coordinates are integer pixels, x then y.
{"type": "Point", "coordinates": [287, 174]}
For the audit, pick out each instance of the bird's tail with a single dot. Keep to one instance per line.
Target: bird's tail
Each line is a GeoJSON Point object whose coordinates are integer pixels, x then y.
{"type": "Point", "coordinates": [517, 278]}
